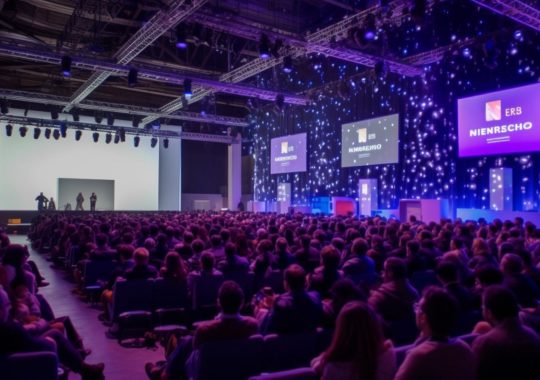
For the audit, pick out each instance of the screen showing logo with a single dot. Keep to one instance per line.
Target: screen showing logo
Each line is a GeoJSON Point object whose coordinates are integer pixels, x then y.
{"type": "Point", "coordinates": [284, 147]}
{"type": "Point", "coordinates": [365, 189]}
{"type": "Point", "coordinates": [493, 110]}
{"type": "Point", "coordinates": [362, 135]}
{"type": "Point", "coordinates": [288, 154]}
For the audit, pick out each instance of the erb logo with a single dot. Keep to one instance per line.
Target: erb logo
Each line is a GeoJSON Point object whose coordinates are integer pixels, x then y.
{"type": "Point", "coordinates": [284, 147]}
{"type": "Point", "coordinates": [362, 135]}
{"type": "Point", "coordinates": [493, 110]}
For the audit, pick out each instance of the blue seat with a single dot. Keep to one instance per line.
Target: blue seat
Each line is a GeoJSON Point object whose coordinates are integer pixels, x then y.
{"type": "Point", "coordinates": [287, 351]}
{"type": "Point", "coordinates": [96, 272]}
{"type": "Point", "coordinates": [134, 295]}
{"type": "Point", "coordinates": [204, 290]}
{"type": "Point", "coordinates": [423, 279]}
{"type": "Point", "coordinates": [292, 374]}
{"type": "Point", "coordinates": [231, 360]}
{"type": "Point", "coordinates": [169, 294]}
{"type": "Point", "coordinates": [29, 365]}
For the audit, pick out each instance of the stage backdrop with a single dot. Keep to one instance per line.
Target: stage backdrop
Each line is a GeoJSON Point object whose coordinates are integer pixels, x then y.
{"type": "Point", "coordinates": [69, 188]}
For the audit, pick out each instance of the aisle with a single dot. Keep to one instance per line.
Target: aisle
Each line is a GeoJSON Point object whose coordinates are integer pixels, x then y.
{"type": "Point", "coordinates": [120, 363]}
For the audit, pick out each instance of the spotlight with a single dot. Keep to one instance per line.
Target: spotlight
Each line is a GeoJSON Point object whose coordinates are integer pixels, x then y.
{"type": "Point", "coordinates": [108, 138]}
{"type": "Point", "coordinates": [264, 47]}
{"type": "Point", "coordinates": [48, 133]}
{"type": "Point", "coordinates": [78, 135]}
{"type": "Point", "coordinates": [287, 64]}
{"type": "Point", "coordinates": [37, 133]}
{"type": "Point", "coordinates": [122, 132]}
{"type": "Point", "coordinates": [95, 136]}
{"type": "Point", "coordinates": [110, 119]}
{"type": "Point", "coordinates": [56, 134]}
{"type": "Point", "coordinates": [136, 141]}
{"type": "Point", "coordinates": [166, 143]}
{"type": "Point", "coordinates": [9, 130]}
{"type": "Point", "coordinates": [3, 107]}
{"type": "Point", "coordinates": [66, 66]}
{"type": "Point", "coordinates": [116, 138]}
{"type": "Point", "coordinates": [132, 77]}
{"type": "Point", "coordinates": [513, 49]}
{"type": "Point", "coordinates": [466, 52]}
{"type": "Point", "coordinates": [22, 131]}
{"type": "Point", "coordinates": [370, 28]}
{"type": "Point", "coordinates": [75, 114]}
{"type": "Point", "coordinates": [187, 88]}
{"type": "Point", "coordinates": [63, 130]}
{"type": "Point", "coordinates": [181, 42]}
{"type": "Point", "coordinates": [153, 142]}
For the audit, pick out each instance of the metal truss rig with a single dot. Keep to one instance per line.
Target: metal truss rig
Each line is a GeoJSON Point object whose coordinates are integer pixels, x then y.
{"type": "Point", "coordinates": [514, 9]}
{"type": "Point", "coordinates": [144, 37]}
{"type": "Point", "coordinates": [54, 100]}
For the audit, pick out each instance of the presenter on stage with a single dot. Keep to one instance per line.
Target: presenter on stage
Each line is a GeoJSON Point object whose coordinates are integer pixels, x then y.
{"type": "Point", "coordinates": [52, 205]}
{"type": "Point", "coordinates": [41, 200]}
{"type": "Point", "coordinates": [80, 200]}
{"type": "Point", "coordinates": [93, 200]}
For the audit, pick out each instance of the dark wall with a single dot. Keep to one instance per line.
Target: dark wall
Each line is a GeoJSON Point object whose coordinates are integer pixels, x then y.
{"type": "Point", "coordinates": [204, 167]}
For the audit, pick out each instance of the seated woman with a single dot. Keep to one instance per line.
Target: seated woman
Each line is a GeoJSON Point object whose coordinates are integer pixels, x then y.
{"type": "Point", "coordinates": [174, 267]}
{"type": "Point", "coordinates": [358, 349]}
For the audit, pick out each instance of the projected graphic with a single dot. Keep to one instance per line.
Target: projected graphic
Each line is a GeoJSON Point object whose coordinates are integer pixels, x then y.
{"type": "Point", "coordinates": [502, 122]}
{"type": "Point", "coordinates": [288, 154]}
{"type": "Point", "coordinates": [370, 142]}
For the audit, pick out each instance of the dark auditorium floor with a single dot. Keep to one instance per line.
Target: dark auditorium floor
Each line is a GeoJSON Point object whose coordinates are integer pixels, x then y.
{"type": "Point", "coordinates": [120, 363]}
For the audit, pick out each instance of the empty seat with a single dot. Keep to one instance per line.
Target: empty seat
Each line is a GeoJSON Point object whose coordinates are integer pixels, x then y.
{"type": "Point", "coordinates": [169, 294]}
{"type": "Point", "coordinates": [134, 295]}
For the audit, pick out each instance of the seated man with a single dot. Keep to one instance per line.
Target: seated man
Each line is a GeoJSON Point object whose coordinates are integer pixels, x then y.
{"type": "Point", "coordinates": [394, 299]}
{"type": "Point", "coordinates": [438, 356]}
{"type": "Point", "coordinates": [448, 276]}
{"type": "Point", "coordinates": [233, 263]}
{"type": "Point", "coordinates": [360, 263]}
{"type": "Point", "coordinates": [228, 325]}
{"type": "Point", "coordinates": [141, 270]}
{"type": "Point", "coordinates": [510, 350]}
{"type": "Point", "coordinates": [296, 310]}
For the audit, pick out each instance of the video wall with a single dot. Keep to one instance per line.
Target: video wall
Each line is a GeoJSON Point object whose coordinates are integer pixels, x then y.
{"type": "Point", "coordinates": [502, 122]}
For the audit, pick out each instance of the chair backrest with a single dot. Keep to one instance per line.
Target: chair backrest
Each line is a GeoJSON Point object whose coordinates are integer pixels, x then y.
{"type": "Point", "coordinates": [98, 270]}
{"type": "Point", "coordinates": [246, 280]}
{"type": "Point", "coordinates": [205, 290]}
{"type": "Point", "coordinates": [131, 296]}
{"type": "Point", "coordinates": [29, 365]}
{"type": "Point", "coordinates": [422, 279]}
{"type": "Point", "coordinates": [292, 374]}
{"type": "Point", "coordinates": [402, 332]}
{"type": "Point", "coordinates": [231, 360]}
{"type": "Point", "coordinates": [287, 351]}
{"type": "Point", "coordinates": [168, 294]}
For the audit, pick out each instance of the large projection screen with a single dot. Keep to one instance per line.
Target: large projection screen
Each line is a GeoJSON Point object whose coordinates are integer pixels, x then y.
{"type": "Point", "coordinates": [370, 142]}
{"type": "Point", "coordinates": [502, 122]}
{"type": "Point", "coordinates": [69, 188]}
{"type": "Point", "coordinates": [288, 154]}
{"type": "Point", "coordinates": [28, 167]}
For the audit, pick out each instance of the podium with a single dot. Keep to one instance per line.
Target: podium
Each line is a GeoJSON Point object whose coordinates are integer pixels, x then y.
{"type": "Point", "coordinates": [425, 210]}
{"type": "Point", "coordinates": [500, 189]}
{"type": "Point", "coordinates": [367, 196]}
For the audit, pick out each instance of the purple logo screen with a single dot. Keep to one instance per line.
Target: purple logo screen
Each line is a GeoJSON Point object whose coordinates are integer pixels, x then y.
{"type": "Point", "coordinates": [502, 122]}
{"type": "Point", "coordinates": [288, 154]}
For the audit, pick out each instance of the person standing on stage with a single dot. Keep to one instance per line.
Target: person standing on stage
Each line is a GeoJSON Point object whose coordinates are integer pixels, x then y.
{"type": "Point", "coordinates": [80, 200]}
{"type": "Point", "coordinates": [52, 205]}
{"type": "Point", "coordinates": [42, 200]}
{"type": "Point", "coordinates": [93, 200]}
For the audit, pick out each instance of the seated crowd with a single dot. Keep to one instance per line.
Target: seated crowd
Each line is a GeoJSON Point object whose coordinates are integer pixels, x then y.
{"type": "Point", "coordinates": [374, 282]}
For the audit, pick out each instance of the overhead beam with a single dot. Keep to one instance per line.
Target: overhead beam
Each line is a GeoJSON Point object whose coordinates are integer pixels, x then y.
{"type": "Point", "coordinates": [516, 10]}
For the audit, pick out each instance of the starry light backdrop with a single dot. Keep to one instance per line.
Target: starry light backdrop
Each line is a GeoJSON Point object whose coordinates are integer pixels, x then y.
{"type": "Point", "coordinates": [492, 53]}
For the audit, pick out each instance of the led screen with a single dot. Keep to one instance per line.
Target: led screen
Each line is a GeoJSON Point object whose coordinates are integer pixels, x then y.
{"type": "Point", "coordinates": [288, 154]}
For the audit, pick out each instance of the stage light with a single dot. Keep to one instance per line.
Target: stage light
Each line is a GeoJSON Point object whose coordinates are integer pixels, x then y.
{"type": "Point", "coordinates": [122, 132]}
{"type": "Point", "coordinates": [3, 107]}
{"type": "Point", "coordinates": [518, 35]}
{"type": "Point", "coordinates": [136, 141]}
{"type": "Point", "coordinates": [513, 50]}
{"type": "Point", "coordinates": [264, 47]}
{"type": "Point", "coordinates": [110, 119]}
{"type": "Point", "coordinates": [48, 133]}
{"type": "Point", "coordinates": [78, 135]}
{"type": "Point", "coordinates": [466, 52]}
{"type": "Point", "coordinates": [181, 42]}
{"type": "Point", "coordinates": [9, 130]}
{"type": "Point", "coordinates": [98, 118]}
{"type": "Point", "coordinates": [37, 133]}
{"type": "Point", "coordinates": [370, 28]}
{"type": "Point", "coordinates": [63, 130]}
{"type": "Point", "coordinates": [56, 134]}
{"type": "Point", "coordinates": [187, 88]}
{"type": "Point", "coordinates": [95, 136]}
{"type": "Point", "coordinates": [66, 66]}
{"type": "Point", "coordinates": [75, 114]}
{"type": "Point", "coordinates": [166, 143]}
{"type": "Point", "coordinates": [153, 142]}
{"type": "Point", "coordinates": [116, 138]}
{"type": "Point", "coordinates": [287, 64]}
{"type": "Point", "coordinates": [54, 113]}
{"type": "Point", "coordinates": [22, 131]}
{"type": "Point", "coordinates": [108, 138]}
{"type": "Point", "coordinates": [132, 77]}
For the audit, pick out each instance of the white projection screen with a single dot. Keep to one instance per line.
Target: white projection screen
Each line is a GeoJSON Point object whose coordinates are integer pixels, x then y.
{"type": "Point", "coordinates": [28, 167]}
{"type": "Point", "coordinates": [69, 188]}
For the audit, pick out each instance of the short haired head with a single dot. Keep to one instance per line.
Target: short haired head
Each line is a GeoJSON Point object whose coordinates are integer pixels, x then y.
{"type": "Point", "coordinates": [125, 251]}
{"type": "Point", "coordinates": [439, 309]}
{"type": "Point", "coordinates": [230, 249]}
{"type": "Point", "coordinates": [447, 271]}
{"type": "Point", "coordinates": [360, 247]}
{"type": "Point", "coordinates": [207, 261]}
{"type": "Point", "coordinates": [141, 256]}
{"type": "Point", "coordinates": [295, 278]}
{"type": "Point", "coordinates": [499, 303]}
{"type": "Point", "coordinates": [230, 297]}
{"type": "Point", "coordinates": [197, 245]}
{"type": "Point", "coordinates": [395, 269]}
{"type": "Point", "coordinates": [489, 275]}
{"type": "Point", "coordinates": [330, 257]}
{"type": "Point", "coordinates": [511, 264]}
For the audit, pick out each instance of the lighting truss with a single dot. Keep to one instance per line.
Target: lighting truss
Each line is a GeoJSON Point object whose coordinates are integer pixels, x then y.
{"type": "Point", "coordinates": [514, 9]}
{"type": "Point", "coordinates": [144, 37]}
